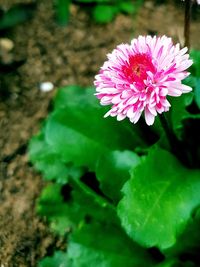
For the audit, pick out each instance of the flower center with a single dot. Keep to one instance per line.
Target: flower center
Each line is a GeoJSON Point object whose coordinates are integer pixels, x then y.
{"type": "Point", "coordinates": [137, 67]}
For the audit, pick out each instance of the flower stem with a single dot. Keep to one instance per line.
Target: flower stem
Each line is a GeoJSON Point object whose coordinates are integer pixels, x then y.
{"type": "Point", "coordinates": [188, 9]}
{"type": "Point", "coordinates": [176, 146]}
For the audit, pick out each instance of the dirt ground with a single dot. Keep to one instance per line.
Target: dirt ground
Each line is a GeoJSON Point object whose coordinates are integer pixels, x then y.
{"type": "Point", "coordinates": [63, 56]}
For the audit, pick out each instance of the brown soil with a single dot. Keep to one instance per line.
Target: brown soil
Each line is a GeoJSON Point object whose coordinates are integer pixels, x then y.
{"type": "Point", "coordinates": [63, 56]}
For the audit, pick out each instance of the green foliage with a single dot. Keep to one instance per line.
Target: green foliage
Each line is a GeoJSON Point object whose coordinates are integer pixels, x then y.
{"type": "Point", "coordinates": [195, 68]}
{"type": "Point", "coordinates": [83, 204]}
{"type": "Point", "coordinates": [159, 200]}
{"type": "Point", "coordinates": [194, 79]}
{"type": "Point", "coordinates": [127, 7]}
{"type": "Point", "coordinates": [113, 171]}
{"type": "Point", "coordinates": [180, 105]}
{"type": "Point", "coordinates": [191, 244]}
{"type": "Point", "coordinates": [110, 203]}
{"type": "Point", "coordinates": [58, 259]}
{"type": "Point", "coordinates": [62, 11]}
{"type": "Point", "coordinates": [15, 15]}
{"type": "Point", "coordinates": [75, 138]}
{"type": "Point", "coordinates": [179, 111]}
{"type": "Point", "coordinates": [90, 246]}
{"type": "Point", "coordinates": [104, 13]}
{"type": "Point", "coordinates": [51, 205]}
{"type": "Point", "coordinates": [197, 92]}
{"type": "Point", "coordinates": [49, 163]}
{"type": "Point", "coordinates": [175, 263]}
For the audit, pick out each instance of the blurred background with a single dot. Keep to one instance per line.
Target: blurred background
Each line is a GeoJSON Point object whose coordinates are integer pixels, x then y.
{"type": "Point", "coordinates": [45, 45]}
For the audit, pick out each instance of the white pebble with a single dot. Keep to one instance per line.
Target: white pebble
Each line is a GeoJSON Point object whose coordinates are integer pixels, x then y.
{"type": "Point", "coordinates": [46, 86]}
{"type": "Point", "coordinates": [6, 44]}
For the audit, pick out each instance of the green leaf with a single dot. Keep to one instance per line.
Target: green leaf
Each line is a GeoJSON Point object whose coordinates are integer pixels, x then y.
{"type": "Point", "coordinates": [49, 162]}
{"type": "Point", "coordinates": [87, 205]}
{"type": "Point", "coordinates": [130, 7]}
{"type": "Point", "coordinates": [113, 171]}
{"type": "Point", "coordinates": [59, 259]}
{"type": "Point", "coordinates": [51, 205]}
{"type": "Point", "coordinates": [62, 11]}
{"type": "Point", "coordinates": [195, 68]}
{"type": "Point", "coordinates": [15, 15]}
{"type": "Point", "coordinates": [178, 111]}
{"type": "Point", "coordinates": [127, 7]}
{"type": "Point", "coordinates": [194, 82]}
{"type": "Point", "coordinates": [197, 93]}
{"type": "Point", "coordinates": [104, 13]}
{"type": "Point", "coordinates": [45, 159]}
{"type": "Point", "coordinates": [159, 199]}
{"type": "Point", "coordinates": [74, 96]}
{"type": "Point", "coordinates": [83, 204]}
{"type": "Point", "coordinates": [103, 245]}
{"type": "Point", "coordinates": [172, 263]}
{"type": "Point", "coordinates": [188, 242]}
{"type": "Point", "coordinates": [78, 133]}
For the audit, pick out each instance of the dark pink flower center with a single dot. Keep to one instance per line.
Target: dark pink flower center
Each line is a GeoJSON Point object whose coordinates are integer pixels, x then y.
{"type": "Point", "coordinates": [137, 67]}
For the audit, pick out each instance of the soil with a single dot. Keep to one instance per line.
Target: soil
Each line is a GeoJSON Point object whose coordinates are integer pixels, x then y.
{"type": "Point", "coordinates": [46, 52]}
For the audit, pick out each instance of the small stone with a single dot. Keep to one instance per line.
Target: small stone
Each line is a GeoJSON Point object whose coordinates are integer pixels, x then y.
{"type": "Point", "coordinates": [46, 86]}
{"type": "Point", "coordinates": [6, 44]}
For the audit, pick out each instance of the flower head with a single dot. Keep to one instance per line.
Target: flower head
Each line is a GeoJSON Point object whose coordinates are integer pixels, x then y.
{"type": "Point", "coordinates": [138, 77]}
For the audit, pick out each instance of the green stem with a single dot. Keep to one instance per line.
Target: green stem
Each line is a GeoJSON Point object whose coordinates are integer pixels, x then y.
{"type": "Point", "coordinates": [177, 147]}
{"type": "Point", "coordinates": [101, 201]}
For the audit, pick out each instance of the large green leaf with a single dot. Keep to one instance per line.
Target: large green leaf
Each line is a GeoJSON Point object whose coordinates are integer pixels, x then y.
{"type": "Point", "coordinates": [78, 133]}
{"type": "Point", "coordinates": [159, 199]}
{"type": "Point", "coordinates": [105, 245]}
{"type": "Point", "coordinates": [113, 170]}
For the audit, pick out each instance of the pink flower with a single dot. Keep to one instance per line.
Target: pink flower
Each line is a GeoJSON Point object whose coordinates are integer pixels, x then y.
{"type": "Point", "coordinates": [138, 77]}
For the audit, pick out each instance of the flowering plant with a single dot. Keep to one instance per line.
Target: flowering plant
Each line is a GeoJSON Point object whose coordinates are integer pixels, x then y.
{"type": "Point", "coordinates": [123, 193]}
